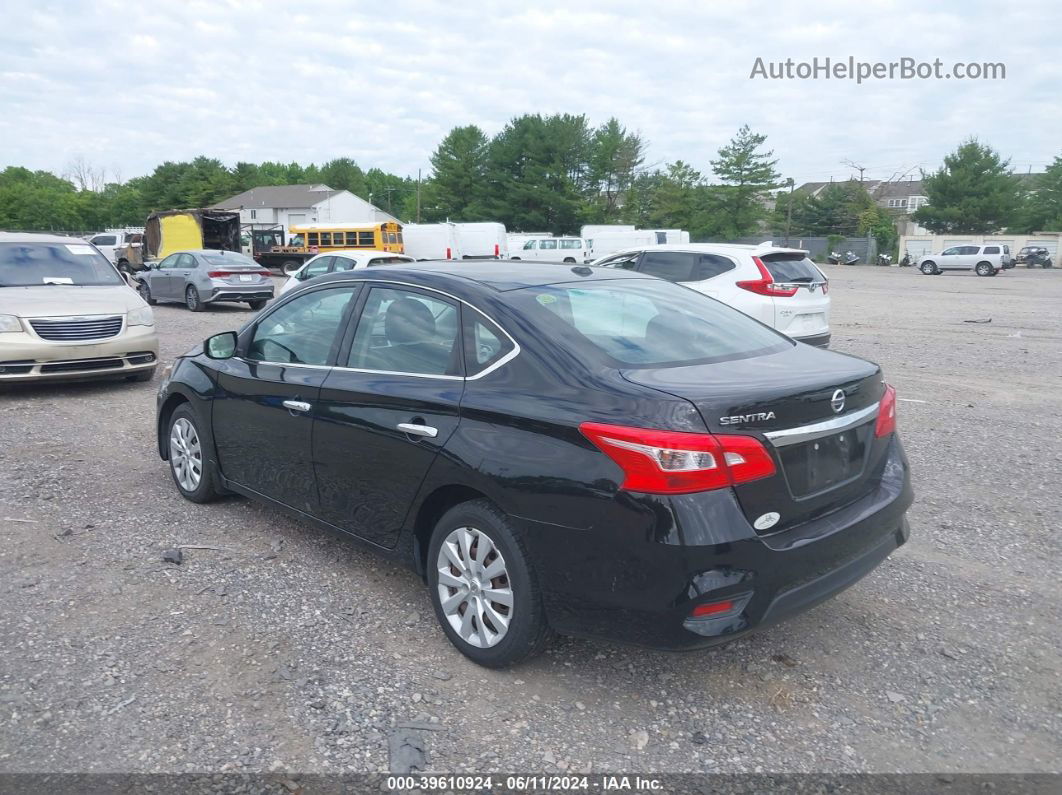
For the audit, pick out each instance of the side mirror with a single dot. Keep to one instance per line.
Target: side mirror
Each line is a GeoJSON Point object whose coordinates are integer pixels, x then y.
{"type": "Point", "coordinates": [220, 346]}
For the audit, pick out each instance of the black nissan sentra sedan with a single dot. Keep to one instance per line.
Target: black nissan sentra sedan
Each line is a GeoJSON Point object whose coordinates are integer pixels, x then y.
{"type": "Point", "coordinates": [553, 448]}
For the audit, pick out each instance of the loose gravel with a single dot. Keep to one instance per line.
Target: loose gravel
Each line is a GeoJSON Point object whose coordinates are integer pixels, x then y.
{"type": "Point", "coordinates": [273, 647]}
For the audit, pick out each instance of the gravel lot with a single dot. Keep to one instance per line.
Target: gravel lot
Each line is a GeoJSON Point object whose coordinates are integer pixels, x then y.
{"type": "Point", "coordinates": [287, 649]}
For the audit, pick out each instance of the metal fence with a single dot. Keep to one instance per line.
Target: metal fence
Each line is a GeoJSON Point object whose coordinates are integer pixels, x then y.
{"type": "Point", "coordinates": [817, 247]}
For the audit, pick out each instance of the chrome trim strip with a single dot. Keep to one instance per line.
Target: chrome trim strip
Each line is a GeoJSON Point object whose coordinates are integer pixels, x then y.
{"type": "Point", "coordinates": [817, 430]}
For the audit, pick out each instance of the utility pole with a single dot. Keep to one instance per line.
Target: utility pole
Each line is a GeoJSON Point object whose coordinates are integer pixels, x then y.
{"type": "Point", "coordinates": [789, 209]}
{"type": "Point", "coordinates": [418, 195]}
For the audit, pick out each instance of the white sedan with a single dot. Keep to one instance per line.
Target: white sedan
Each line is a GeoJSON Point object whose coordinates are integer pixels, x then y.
{"type": "Point", "coordinates": [341, 261]}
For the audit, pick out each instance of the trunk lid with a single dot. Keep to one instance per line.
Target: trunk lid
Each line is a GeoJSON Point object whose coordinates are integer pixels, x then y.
{"type": "Point", "coordinates": [825, 458]}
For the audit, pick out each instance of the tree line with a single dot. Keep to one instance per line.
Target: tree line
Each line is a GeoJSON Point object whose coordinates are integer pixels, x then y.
{"type": "Point", "coordinates": [553, 174]}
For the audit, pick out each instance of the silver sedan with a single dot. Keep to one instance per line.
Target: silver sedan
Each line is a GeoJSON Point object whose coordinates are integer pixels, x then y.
{"type": "Point", "coordinates": [206, 276]}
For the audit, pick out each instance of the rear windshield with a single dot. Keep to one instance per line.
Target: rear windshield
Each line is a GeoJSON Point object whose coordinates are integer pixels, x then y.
{"type": "Point", "coordinates": [791, 268]}
{"type": "Point", "coordinates": [644, 323]}
{"type": "Point", "coordinates": [228, 260]}
{"type": "Point", "coordinates": [78, 264]}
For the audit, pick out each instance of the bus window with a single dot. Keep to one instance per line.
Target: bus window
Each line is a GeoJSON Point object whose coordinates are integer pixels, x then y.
{"type": "Point", "coordinates": [296, 241]}
{"type": "Point", "coordinates": [366, 239]}
{"type": "Point", "coordinates": [399, 235]}
{"type": "Point", "coordinates": [392, 237]}
{"type": "Point", "coordinates": [326, 238]}
{"type": "Point", "coordinates": [312, 238]}
{"type": "Point", "coordinates": [352, 238]}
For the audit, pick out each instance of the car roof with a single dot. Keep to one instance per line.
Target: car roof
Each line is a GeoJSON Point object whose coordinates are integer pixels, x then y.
{"type": "Point", "coordinates": [34, 237]}
{"type": "Point", "coordinates": [498, 275]}
{"type": "Point", "coordinates": [713, 248]}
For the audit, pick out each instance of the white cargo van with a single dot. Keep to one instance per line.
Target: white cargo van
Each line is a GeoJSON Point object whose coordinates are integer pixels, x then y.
{"type": "Point", "coordinates": [482, 240]}
{"type": "Point", "coordinates": [431, 241]}
{"type": "Point", "coordinates": [604, 243]}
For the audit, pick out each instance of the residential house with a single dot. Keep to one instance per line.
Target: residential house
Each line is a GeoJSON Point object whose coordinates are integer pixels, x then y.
{"type": "Point", "coordinates": [270, 206]}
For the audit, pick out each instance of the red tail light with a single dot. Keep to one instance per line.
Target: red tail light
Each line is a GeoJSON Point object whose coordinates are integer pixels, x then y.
{"type": "Point", "coordinates": [497, 250]}
{"type": "Point", "coordinates": [673, 462]}
{"type": "Point", "coordinates": [712, 608]}
{"type": "Point", "coordinates": [886, 413]}
{"type": "Point", "coordinates": [448, 252]}
{"type": "Point", "coordinates": [765, 285]}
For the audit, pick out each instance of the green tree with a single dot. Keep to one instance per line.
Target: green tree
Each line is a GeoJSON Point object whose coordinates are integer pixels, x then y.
{"type": "Point", "coordinates": [973, 192]}
{"type": "Point", "coordinates": [1040, 207]}
{"type": "Point", "coordinates": [747, 174]}
{"type": "Point", "coordinates": [343, 174]}
{"type": "Point", "coordinates": [875, 221]}
{"type": "Point", "coordinates": [615, 155]}
{"type": "Point", "coordinates": [834, 211]}
{"type": "Point", "coordinates": [458, 182]}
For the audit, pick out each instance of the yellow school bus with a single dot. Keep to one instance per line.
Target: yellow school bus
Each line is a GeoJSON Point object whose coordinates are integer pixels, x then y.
{"type": "Point", "coordinates": [314, 238]}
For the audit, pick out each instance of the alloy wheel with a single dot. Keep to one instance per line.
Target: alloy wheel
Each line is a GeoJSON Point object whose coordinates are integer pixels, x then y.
{"type": "Point", "coordinates": [192, 298]}
{"type": "Point", "coordinates": [474, 588]}
{"type": "Point", "coordinates": [186, 454]}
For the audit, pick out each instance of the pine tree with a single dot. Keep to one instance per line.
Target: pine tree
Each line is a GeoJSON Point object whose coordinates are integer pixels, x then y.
{"type": "Point", "coordinates": [747, 174]}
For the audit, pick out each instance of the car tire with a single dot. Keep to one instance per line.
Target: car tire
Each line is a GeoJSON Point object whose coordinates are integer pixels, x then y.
{"type": "Point", "coordinates": [526, 631]}
{"type": "Point", "coordinates": [929, 268]}
{"type": "Point", "coordinates": [289, 266]}
{"type": "Point", "coordinates": [569, 259]}
{"type": "Point", "coordinates": [259, 304]}
{"type": "Point", "coordinates": [515, 258]}
{"type": "Point", "coordinates": [145, 293]}
{"type": "Point", "coordinates": [143, 375]}
{"type": "Point", "coordinates": [192, 299]}
{"type": "Point", "coordinates": [984, 269]}
{"type": "Point", "coordinates": [183, 462]}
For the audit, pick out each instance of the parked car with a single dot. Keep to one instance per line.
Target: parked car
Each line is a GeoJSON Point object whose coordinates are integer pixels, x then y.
{"type": "Point", "coordinates": [558, 448]}
{"type": "Point", "coordinates": [67, 314]}
{"type": "Point", "coordinates": [342, 261]}
{"type": "Point", "coordinates": [113, 241]}
{"type": "Point", "coordinates": [1032, 256]}
{"type": "Point", "coordinates": [553, 249]}
{"type": "Point", "coordinates": [206, 276]}
{"type": "Point", "coordinates": [984, 260]}
{"type": "Point", "coordinates": [781, 287]}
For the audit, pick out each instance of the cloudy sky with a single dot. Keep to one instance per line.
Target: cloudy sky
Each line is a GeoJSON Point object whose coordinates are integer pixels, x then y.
{"type": "Point", "coordinates": [127, 84]}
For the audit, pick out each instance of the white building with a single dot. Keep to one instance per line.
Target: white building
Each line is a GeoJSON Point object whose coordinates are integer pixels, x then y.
{"type": "Point", "coordinates": [290, 205]}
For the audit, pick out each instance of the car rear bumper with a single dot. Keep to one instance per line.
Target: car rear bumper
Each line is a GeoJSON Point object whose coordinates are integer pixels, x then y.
{"type": "Point", "coordinates": [24, 357]}
{"type": "Point", "coordinates": [640, 584]}
{"type": "Point", "coordinates": [249, 293]}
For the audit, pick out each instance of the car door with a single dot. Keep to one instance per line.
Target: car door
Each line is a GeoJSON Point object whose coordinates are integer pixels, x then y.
{"type": "Point", "coordinates": [264, 405]}
{"type": "Point", "coordinates": [387, 410]}
{"type": "Point", "coordinates": [158, 277]}
{"type": "Point", "coordinates": [181, 275]}
{"type": "Point", "coordinates": [951, 259]}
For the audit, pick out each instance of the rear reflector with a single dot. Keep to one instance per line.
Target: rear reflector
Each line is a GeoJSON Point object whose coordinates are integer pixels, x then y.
{"type": "Point", "coordinates": [886, 413]}
{"type": "Point", "coordinates": [674, 462]}
{"type": "Point", "coordinates": [497, 251]}
{"type": "Point", "coordinates": [765, 285]}
{"type": "Point", "coordinates": [448, 253]}
{"type": "Point", "coordinates": [712, 609]}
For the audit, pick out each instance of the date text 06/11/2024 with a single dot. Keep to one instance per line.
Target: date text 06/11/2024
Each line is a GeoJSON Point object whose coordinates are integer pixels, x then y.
{"type": "Point", "coordinates": [524, 783]}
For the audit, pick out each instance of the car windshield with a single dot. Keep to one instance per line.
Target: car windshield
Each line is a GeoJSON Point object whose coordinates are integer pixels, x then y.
{"type": "Point", "coordinates": [33, 264]}
{"type": "Point", "coordinates": [228, 260]}
{"type": "Point", "coordinates": [632, 323]}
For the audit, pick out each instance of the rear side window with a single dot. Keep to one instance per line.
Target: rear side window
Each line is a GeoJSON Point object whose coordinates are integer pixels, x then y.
{"type": "Point", "coordinates": [485, 343]}
{"type": "Point", "coordinates": [991, 249]}
{"type": "Point", "coordinates": [791, 268]}
{"type": "Point", "coordinates": [643, 323]}
{"type": "Point", "coordinates": [678, 266]}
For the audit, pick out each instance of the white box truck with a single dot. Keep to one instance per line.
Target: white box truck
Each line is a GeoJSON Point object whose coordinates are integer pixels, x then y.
{"type": "Point", "coordinates": [604, 243]}
{"type": "Point", "coordinates": [482, 240]}
{"type": "Point", "coordinates": [431, 241]}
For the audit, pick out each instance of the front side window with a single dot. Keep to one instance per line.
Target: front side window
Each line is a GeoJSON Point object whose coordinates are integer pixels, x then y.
{"type": "Point", "coordinates": [401, 331]}
{"type": "Point", "coordinates": [105, 240]}
{"type": "Point", "coordinates": [950, 252]}
{"type": "Point", "coordinates": [316, 267]}
{"type": "Point", "coordinates": [296, 241]}
{"type": "Point", "coordinates": [624, 261]}
{"type": "Point", "coordinates": [169, 262]}
{"type": "Point", "coordinates": [29, 264]}
{"type": "Point", "coordinates": [304, 330]}
{"type": "Point", "coordinates": [643, 323]}
{"type": "Point", "coordinates": [530, 244]}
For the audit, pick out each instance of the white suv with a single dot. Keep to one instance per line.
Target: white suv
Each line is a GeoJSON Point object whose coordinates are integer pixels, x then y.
{"type": "Point", "coordinates": [987, 260]}
{"type": "Point", "coordinates": [781, 287]}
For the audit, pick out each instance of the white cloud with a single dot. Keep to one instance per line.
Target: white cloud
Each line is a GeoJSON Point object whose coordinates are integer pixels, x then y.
{"type": "Point", "coordinates": [383, 83]}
